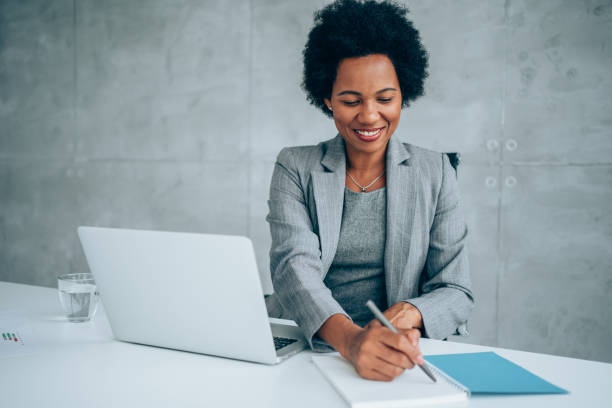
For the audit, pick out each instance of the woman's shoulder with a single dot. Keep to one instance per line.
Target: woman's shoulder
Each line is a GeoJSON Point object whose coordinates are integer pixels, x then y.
{"type": "Point", "coordinates": [421, 153]}
{"type": "Point", "coordinates": [306, 157]}
{"type": "Point", "coordinates": [424, 156]}
{"type": "Point", "coordinates": [431, 164]}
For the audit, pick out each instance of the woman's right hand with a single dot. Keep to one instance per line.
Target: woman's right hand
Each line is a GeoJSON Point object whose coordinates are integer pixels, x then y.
{"type": "Point", "coordinates": [379, 354]}
{"type": "Point", "coordinates": [375, 351]}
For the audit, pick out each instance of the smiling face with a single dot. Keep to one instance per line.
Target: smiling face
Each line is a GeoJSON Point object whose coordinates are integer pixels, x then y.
{"type": "Point", "coordinates": [366, 102]}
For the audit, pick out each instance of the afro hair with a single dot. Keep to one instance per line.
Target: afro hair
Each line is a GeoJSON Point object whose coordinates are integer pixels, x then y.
{"type": "Point", "coordinates": [351, 28]}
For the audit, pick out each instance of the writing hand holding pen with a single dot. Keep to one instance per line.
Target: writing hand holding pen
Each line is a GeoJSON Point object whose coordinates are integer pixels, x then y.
{"type": "Point", "coordinates": [383, 320]}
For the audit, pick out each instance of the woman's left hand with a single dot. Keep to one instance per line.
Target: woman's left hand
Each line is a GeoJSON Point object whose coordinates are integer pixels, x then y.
{"type": "Point", "coordinates": [403, 316]}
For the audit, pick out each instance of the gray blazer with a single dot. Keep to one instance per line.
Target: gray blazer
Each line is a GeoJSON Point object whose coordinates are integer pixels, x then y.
{"type": "Point", "coordinates": [426, 260]}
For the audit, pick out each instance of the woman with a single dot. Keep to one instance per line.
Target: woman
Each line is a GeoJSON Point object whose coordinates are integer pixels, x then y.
{"type": "Point", "coordinates": [364, 216]}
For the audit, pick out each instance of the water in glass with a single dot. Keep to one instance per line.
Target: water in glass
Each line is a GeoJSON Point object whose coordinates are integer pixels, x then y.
{"type": "Point", "coordinates": [78, 301]}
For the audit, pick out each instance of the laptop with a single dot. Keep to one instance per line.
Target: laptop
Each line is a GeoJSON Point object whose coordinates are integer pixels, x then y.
{"type": "Point", "coordinates": [193, 292]}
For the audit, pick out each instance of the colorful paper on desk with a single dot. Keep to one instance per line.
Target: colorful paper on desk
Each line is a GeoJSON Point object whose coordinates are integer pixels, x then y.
{"type": "Point", "coordinates": [16, 336]}
{"type": "Point", "coordinates": [489, 373]}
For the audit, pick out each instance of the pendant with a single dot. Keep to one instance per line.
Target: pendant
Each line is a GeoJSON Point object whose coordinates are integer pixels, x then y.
{"type": "Point", "coordinates": [363, 189]}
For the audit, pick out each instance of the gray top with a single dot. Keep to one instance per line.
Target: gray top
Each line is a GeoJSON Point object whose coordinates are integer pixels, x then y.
{"type": "Point", "coordinates": [357, 271]}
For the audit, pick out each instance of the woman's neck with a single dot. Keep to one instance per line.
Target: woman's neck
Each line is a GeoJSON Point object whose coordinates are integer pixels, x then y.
{"type": "Point", "coordinates": [365, 163]}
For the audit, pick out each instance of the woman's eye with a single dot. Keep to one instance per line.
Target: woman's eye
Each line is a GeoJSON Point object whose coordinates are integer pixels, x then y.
{"type": "Point", "coordinates": [385, 100]}
{"type": "Point", "coordinates": [350, 103]}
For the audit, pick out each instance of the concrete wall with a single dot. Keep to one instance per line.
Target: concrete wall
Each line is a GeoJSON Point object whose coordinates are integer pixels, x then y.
{"type": "Point", "coordinates": [168, 115]}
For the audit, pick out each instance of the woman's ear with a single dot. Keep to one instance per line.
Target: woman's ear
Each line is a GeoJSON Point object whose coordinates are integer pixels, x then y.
{"type": "Point", "coordinates": [328, 103]}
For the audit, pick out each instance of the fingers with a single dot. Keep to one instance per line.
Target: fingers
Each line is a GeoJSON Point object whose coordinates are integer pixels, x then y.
{"type": "Point", "coordinates": [373, 323]}
{"type": "Point", "coordinates": [373, 367]}
{"type": "Point", "coordinates": [395, 358]}
{"type": "Point", "coordinates": [413, 335]}
{"type": "Point", "coordinates": [370, 374]}
{"type": "Point", "coordinates": [379, 354]}
{"type": "Point", "coordinates": [406, 343]}
{"type": "Point", "coordinates": [386, 369]}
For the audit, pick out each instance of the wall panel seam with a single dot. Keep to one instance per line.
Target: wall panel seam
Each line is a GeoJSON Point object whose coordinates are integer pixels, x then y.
{"type": "Point", "coordinates": [74, 78]}
{"type": "Point", "coordinates": [249, 123]}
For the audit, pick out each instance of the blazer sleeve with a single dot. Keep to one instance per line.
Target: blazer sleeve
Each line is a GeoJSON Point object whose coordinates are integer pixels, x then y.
{"type": "Point", "coordinates": [295, 255]}
{"type": "Point", "coordinates": [445, 298]}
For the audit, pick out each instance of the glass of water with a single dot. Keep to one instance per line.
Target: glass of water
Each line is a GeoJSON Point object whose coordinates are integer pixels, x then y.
{"type": "Point", "coordinates": [78, 296]}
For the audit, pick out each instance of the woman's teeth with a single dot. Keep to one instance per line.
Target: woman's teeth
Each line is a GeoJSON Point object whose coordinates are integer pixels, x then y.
{"type": "Point", "coordinates": [368, 132]}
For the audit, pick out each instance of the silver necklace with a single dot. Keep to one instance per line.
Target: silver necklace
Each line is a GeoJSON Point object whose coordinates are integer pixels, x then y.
{"type": "Point", "coordinates": [363, 189]}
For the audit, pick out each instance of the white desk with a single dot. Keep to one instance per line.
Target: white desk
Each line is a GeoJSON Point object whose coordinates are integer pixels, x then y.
{"type": "Point", "coordinates": [80, 365]}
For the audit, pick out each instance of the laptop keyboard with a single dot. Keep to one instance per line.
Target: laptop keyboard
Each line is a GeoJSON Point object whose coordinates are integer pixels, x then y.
{"type": "Point", "coordinates": [280, 342]}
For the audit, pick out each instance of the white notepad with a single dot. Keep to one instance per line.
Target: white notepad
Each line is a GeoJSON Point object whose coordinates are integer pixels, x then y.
{"type": "Point", "coordinates": [411, 389]}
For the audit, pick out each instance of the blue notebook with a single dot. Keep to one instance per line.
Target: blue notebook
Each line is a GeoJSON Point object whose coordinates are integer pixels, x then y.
{"type": "Point", "coordinates": [489, 373]}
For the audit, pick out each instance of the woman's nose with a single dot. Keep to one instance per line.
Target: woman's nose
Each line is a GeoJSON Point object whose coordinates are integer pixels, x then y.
{"type": "Point", "coordinates": [368, 113]}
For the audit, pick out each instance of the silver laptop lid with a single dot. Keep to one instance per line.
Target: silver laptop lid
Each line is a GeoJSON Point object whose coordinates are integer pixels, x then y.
{"type": "Point", "coordinates": [193, 292]}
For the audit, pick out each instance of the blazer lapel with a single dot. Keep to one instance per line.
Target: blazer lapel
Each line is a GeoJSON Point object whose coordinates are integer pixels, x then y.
{"type": "Point", "coordinates": [401, 203]}
{"type": "Point", "coordinates": [328, 190]}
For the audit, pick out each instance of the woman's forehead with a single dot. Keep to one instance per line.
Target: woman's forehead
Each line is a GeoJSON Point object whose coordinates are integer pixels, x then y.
{"type": "Point", "coordinates": [368, 74]}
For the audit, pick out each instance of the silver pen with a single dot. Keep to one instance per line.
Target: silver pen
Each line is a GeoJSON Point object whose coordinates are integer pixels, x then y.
{"type": "Point", "coordinates": [382, 319]}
